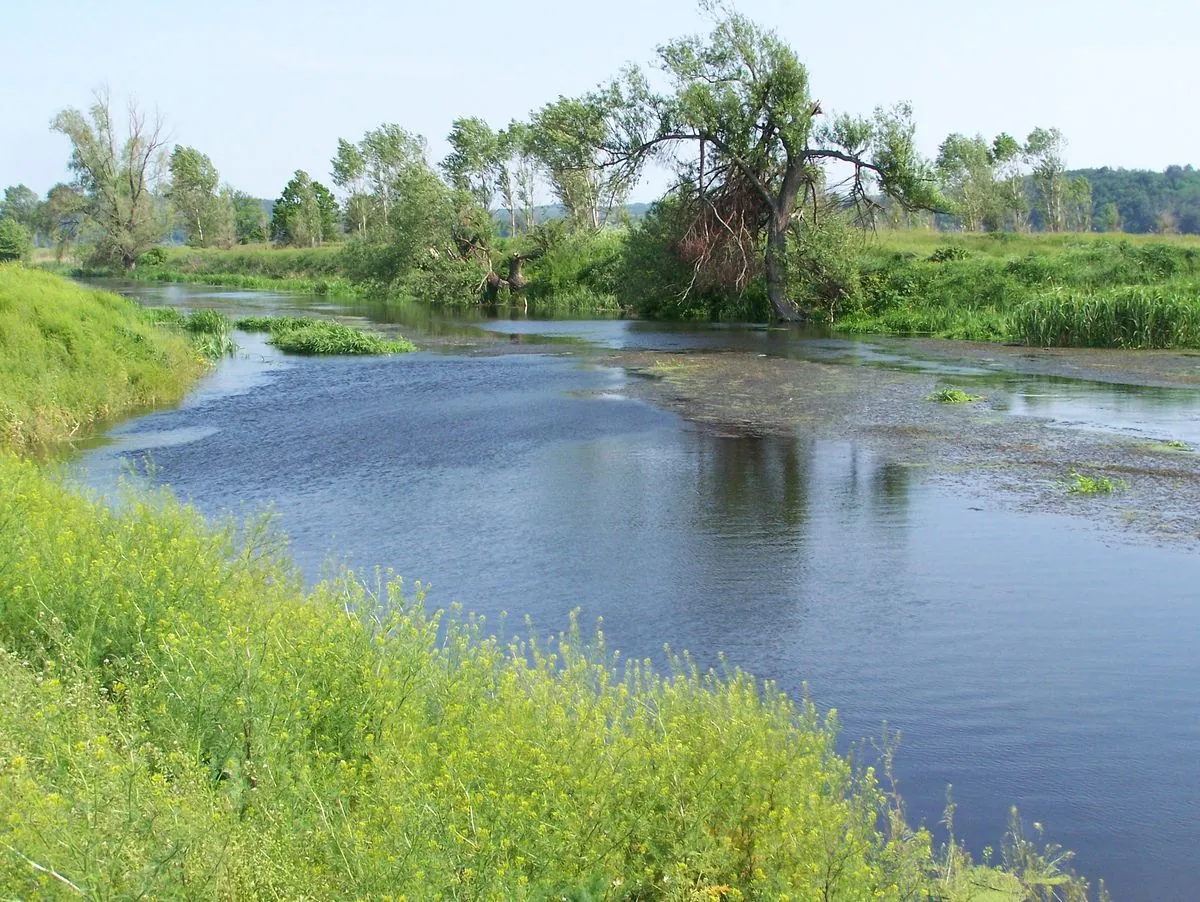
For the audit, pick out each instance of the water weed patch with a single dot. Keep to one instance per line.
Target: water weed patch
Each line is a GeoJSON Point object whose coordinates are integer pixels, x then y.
{"type": "Point", "coordinates": [303, 335]}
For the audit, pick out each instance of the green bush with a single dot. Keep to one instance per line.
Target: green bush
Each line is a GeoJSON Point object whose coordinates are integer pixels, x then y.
{"type": "Point", "coordinates": [15, 241]}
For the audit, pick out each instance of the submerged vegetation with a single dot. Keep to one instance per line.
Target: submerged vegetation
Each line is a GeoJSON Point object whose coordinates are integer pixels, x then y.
{"type": "Point", "coordinates": [303, 335]}
{"type": "Point", "coordinates": [198, 724]}
{"type": "Point", "coordinates": [71, 357]}
{"type": "Point", "coordinates": [953, 396]}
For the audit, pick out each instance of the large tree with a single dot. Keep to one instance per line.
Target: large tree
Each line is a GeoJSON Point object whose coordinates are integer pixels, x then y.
{"type": "Point", "coordinates": [475, 163]}
{"type": "Point", "coordinates": [760, 144]}
{"type": "Point", "coordinates": [370, 172]}
{"type": "Point", "coordinates": [22, 204]}
{"type": "Point", "coordinates": [250, 224]}
{"type": "Point", "coordinates": [568, 138]}
{"type": "Point", "coordinates": [1045, 149]}
{"type": "Point", "coordinates": [305, 215]}
{"type": "Point", "coordinates": [118, 171]}
{"type": "Point", "coordinates": [205, 211]}
{"type": "Point", "coordinates": [64, 213]}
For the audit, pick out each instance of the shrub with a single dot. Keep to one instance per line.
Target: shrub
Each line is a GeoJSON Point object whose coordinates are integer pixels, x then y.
{"type": "Point", "coordinates": [15, 241]}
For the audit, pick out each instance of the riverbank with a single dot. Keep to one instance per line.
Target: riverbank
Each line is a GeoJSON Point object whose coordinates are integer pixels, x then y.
{"type": "Point", "coordinates": [178, 716]}
{"type": "Point", "coordinates": [71, 358]}
{"type": "Point", "coordinates": [199, 708]}
{"type": "Point", "coordinates": [1075, 290]}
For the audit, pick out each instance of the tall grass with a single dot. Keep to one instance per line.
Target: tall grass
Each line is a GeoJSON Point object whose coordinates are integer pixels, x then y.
{"type": "Point", "coordinates": [1121, 317]}
{"type": "Point", "coordinates": [70, 357]}
{"type": "Point", "coordinates": [177, 718]}
{"type": "Point", "coordinates": [1043, 289]}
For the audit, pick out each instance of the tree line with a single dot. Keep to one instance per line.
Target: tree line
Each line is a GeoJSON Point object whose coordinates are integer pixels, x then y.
{"type": "Point", "coordinates": [765, 180]}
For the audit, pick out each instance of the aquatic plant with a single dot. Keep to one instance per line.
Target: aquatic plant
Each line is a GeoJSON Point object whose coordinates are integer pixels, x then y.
{"type": "Point", "coordinates": [953, 396]}
{"type": "Point", "coordinates": [325, 337]}
{"type": "Point", "coordinates": [1161, 316]}
{"type": "Point", "coordinates": [211, 332]}
{"type": "Point", "coordinates": [1084, 484]}
{"type": "Point", "coordinates": [271, 323]}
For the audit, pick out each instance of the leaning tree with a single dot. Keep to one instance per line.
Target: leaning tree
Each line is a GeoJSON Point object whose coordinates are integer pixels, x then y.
{"type": "Point", "coordinates": [756, 148]}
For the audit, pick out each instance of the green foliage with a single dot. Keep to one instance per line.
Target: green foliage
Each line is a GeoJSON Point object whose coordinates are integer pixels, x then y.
{"type": "Point", "coordinates": [156, 256]}
{"type": "Point", "coordinates": [324, 337]}
{"type": "Point", "coordinates": [305, 215]}
{"type": "Point", "coordinates": [579, 262]}
{"type": "Point", "coordinates": [207, 214]}
{"type": "Point", "coordinates": [22, 204]}
{"type": "Point", "coordinates": [953, 396]}
{"type": "Point", "coordinates": [1084, 484]}
{"type": "Point", "coordinates": [1136, 200]}
{"type": "Point", "coordinates": [249, 219]}
{"type": "Point", "coordinates": [177, 718]}
{"type": "Point", "coordinates": [949, 252]}
{"type": "Point", "coordinates": [15, 241]}
{"type": "Point", "coordinates": [70, 357]}
{"type": "Point", "coordinates": [117, 176]}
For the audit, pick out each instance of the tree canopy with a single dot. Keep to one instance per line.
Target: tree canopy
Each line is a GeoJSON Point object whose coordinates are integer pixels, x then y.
{"type": "Point", "coordinates": [760, 145]}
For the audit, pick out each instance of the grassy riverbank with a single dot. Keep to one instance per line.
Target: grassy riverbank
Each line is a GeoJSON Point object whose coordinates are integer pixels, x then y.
{"type": "Point", "coordinates": [178, 717]}
{"type": "Point", "coordinates": [71, 357]}
{"type": "Point", "coordinates": [1044, 289]}
{"type": "Point", "coordinates": [1060, 290]}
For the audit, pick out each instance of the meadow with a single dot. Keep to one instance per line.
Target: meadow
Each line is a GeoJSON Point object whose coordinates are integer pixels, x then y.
{"type": "Point", "coordinates": [1040, 290]}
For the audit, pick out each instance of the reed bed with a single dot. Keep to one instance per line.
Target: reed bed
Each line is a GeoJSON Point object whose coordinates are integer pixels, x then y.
{"type": "Point", "coordinates": [1122, 317]}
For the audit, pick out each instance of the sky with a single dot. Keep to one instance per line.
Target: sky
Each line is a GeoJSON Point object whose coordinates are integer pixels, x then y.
{"type": "Point", "coordinates": [266, 87]}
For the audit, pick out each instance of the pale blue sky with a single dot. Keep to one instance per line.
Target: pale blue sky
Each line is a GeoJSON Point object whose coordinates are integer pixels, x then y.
{"type": "Point", "coordinates": [266, 87]}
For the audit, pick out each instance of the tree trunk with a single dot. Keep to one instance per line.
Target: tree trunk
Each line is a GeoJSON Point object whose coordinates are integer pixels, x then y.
{"type": "Point", "coordinates": [776, 259]}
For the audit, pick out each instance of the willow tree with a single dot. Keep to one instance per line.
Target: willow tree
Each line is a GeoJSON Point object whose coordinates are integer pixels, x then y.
{"type": "Point", "coordinates": [118, 172]}
{"type": "Point", "coordinates": [762, 152]}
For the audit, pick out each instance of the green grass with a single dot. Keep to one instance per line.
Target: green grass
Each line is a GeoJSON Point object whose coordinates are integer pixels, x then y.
{"type": "Point", "coordinates": [303, 335]}
{"type": "Point", "coordinates": [953, 396]}
{"type": "Point", "coordinates": [71, 357]}
{"type": "Point", "coordinates": [178, 718]}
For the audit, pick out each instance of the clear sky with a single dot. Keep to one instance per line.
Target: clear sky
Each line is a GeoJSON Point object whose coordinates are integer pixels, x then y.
{"type": "Point", "coordinates": [266, 87]}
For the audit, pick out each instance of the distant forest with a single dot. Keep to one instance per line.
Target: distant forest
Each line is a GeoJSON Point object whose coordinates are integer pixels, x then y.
{"type": "Point", "coordinates": [1140, 200]}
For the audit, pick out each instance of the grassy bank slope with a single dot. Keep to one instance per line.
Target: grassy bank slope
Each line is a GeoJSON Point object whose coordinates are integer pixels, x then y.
{"type": "Point", "coordinates": [177, 718]}
{"type": "Point", "coordinates": [1066, 290]}
{"type": "Point", "coordinates": [70, 356]}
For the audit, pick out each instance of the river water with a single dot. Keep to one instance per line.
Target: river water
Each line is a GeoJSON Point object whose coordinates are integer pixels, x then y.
{"type": "Point", "coordinates": [1026, 657]}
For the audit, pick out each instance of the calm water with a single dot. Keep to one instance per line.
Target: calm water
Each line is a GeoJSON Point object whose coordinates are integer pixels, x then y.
{"type": "Point", "coordinates": [1027, 659]}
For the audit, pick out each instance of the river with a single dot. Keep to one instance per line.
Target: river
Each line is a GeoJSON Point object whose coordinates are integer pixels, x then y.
{"type": "Point", "coordinates": [1027, 654]}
